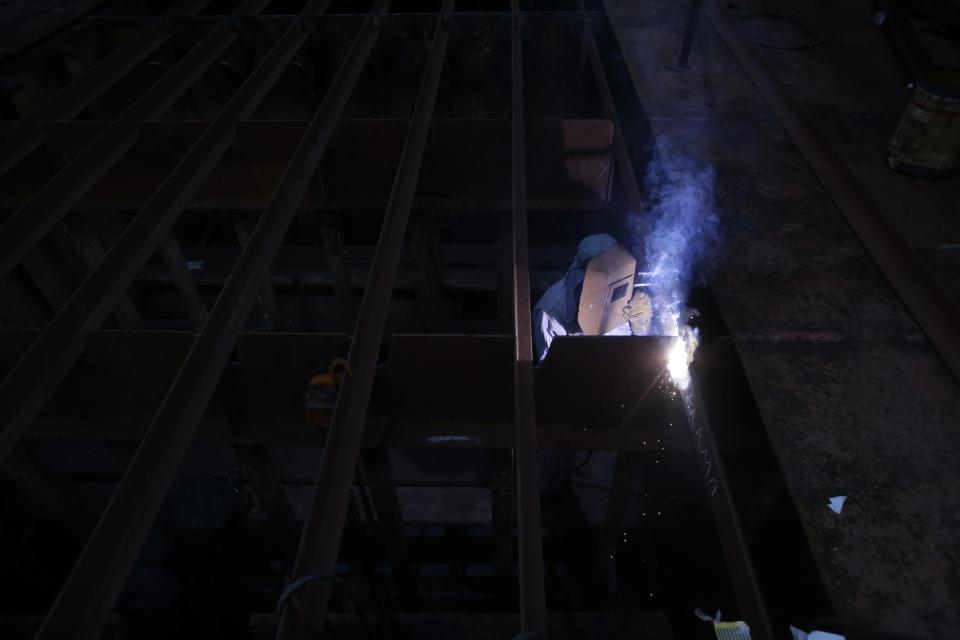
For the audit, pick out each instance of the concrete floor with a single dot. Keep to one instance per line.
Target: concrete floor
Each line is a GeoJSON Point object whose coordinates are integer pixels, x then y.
{"type": "Point", "coordinates": [855, 399]}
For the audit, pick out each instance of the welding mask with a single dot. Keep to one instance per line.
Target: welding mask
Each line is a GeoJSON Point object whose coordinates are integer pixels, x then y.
{"type": "Point", "coordinates": [607, 288]}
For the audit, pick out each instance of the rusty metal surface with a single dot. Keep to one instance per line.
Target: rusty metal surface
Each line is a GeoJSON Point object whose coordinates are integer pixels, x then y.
{"type": "Point", "coordinates": [465, 160]}
{"type": "Point", "coordinates": [418, 383]}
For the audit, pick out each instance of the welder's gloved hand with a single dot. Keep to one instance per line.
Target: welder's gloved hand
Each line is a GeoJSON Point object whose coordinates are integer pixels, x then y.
{"type": "Point", "coordinates": [639, 313]}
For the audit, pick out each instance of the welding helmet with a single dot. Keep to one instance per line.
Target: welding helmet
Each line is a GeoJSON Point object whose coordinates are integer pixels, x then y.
{"type": "Point", "coordinates": [607, 288]}
{"type": "Point", "coordinates": [588, 249]}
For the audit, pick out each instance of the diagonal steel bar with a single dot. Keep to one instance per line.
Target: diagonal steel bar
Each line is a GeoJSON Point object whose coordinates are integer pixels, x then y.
{"type": "Point", "coordinates": [87, 598]}
{"type": "Point", "coordinates": [27, 226]}
{"type": "Point", "coordinates": [320, 542]}
{"type": "Point", "coordinates": [533, 613]}
{"type": "Point", "coordinates": [27, 134]}
{"type": "Point", "coordinates": [732, 541]}
{"type": "Point", "coordinates": [41, 369]}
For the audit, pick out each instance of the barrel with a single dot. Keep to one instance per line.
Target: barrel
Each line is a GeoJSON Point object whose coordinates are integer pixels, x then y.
{"type": "Point", "coordinates": [927, 142]}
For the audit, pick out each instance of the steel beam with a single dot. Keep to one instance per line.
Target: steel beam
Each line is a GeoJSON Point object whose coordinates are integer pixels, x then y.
{"type": "Point", "coordinates": [732, 541]}
{"type": "Point", "coordinates": [27, 226]}
{"type": "Point", "coordinates": [627, 176]}
{"type": "Point", "coordinates": [28, 134]}
{"type": "Point", "coordinates": [26, 389]}
{"type": "Point", "coordinates": [348, 180]}
{"type": "Point", "coordinates": [402, 434]}
{"type": "Point", "coordinates": [90, 249]}
{"type": "Point", "coordinates": [533, 608]}
{"type": "Point", "coordinates": [389, 529]}
{"type": "Point", "coordinates": [243, 225]}
{"type": "Point", "coordinates": [320, 542]}
{"type": "Point", "coordinates": [92, 588]}
{"type": "Point", "coordinates": [179, 274]}
{"type": "Point", "coordinates": [931, 306]}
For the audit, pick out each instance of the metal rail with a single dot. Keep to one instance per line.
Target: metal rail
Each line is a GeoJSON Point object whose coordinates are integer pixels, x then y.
{"type": "Point", "coordinates": [735, 550]}
{"type": "Point", "coordinates": [27, 134]}
{"type": "Point", "coordinates": [533, 607]}
{"type": "Point", "coordinates": [930, 305]}
{"type": "Point", "coordinates": [323, 531]}
{"type": "Point", "coordinates": [27, 226]}
{"type": "Point", "coordinates": [95, 582]}
{"type": "Point", "coordinates": [36, 376]}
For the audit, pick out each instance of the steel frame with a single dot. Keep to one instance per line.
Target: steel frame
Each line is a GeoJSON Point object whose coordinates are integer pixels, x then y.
{"type": "Point", "coordinates": [320, 542]}
{"type": "Point", "coordinates": [113, 548]}
{"type": "Point", "coordinates": [88, 597]}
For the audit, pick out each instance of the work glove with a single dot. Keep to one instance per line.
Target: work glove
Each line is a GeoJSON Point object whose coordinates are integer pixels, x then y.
{"type": "Point", "coordinates": [639, 313]}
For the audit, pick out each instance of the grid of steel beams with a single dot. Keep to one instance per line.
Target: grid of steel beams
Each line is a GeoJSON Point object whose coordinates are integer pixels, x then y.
{"type": "Point", "coordinates": [90, 173]}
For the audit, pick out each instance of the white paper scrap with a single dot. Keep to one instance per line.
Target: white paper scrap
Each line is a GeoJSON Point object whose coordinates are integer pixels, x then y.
{"type": "Point", "coordinates": [814, 635]}
{"type": "Point", "coordinates": [836, 503]}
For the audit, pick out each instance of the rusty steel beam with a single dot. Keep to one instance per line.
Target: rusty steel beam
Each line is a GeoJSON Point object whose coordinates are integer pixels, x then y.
{"type": "Point", "coordinates": [347, 179]}
{"type": "Point", "coordinates": [27, 226]}
{"type": "Point", "coordinates": [732, 541]}
{"type": "Point", "coordinates": [320, 542]}
{"type": "Point", "coordinates": [533, 607]}
{"type": "Point", "coordinates": [627, 176]}
{"type": "Point", "coordinates": [28, 134]}
{"type": "Point", "coordinates": [37, 374]}
{"type": "Point", "coordinates": [88, 597]}
{"type": "Point", "coordinates": [934, 310]}
{"type": "Point", "coordinates": [182, 280]}
{"type": "Point", "coordinates": [401, 434]}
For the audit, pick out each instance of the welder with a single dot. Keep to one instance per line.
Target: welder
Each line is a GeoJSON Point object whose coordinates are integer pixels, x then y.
{"type": "Point", "coordinates": [596, 297]}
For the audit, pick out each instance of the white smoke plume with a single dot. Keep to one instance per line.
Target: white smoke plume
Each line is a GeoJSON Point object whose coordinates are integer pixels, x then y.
{"type": "Point", "coordinates": [678, 232]}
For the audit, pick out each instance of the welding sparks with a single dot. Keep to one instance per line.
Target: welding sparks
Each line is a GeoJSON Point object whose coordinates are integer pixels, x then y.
{"type": "Point", "coordinates": [681, 355]}
{"type": "Point", "coordinates": [677, 365]}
